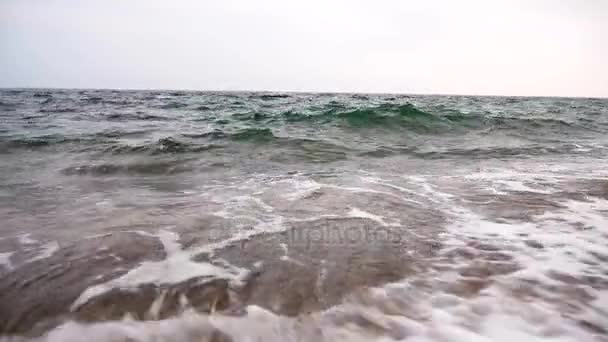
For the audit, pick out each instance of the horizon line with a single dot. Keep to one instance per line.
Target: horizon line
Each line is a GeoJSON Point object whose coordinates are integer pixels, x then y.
{"type": "Point", "coordinates": [304, 92]}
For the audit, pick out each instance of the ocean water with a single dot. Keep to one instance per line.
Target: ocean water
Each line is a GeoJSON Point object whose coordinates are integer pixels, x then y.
{"type": "Point", "coordinates": [202, 216]}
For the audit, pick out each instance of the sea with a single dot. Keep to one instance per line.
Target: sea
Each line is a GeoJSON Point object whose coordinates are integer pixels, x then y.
{"type": "Point", "coordinates": [266, 216]}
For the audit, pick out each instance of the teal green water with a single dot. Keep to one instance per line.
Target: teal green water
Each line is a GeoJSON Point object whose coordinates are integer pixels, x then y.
{"type": "Point", "coordinates": [297, 128]}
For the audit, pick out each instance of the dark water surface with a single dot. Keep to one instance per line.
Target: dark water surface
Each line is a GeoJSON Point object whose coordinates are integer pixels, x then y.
{"type": "Point", "coordinates": [189, 216]}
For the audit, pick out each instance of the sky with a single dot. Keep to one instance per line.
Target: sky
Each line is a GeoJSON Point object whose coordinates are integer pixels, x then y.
{"type": "Point", "coordinates": [484, 47]}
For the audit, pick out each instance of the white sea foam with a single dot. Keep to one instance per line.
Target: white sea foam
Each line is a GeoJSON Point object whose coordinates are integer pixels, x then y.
{"type": "Point", "coordinates": [176, 267]}
{"type": "Point", "coordinates": [567, 235]}
{"type": "Point", "coordinates": [25, 239]}
{"type": "Point", "coordinates": [45, 251]}
{"type": "Point", "coordinates": [5, 260]}
{"type": "Point", "coordinates": [358, 213]}
{"type": "Point", "coordinates": [355, 189]}
{"type": "Point", "coordinates": [300, 188]}
{"type": "Point", "coordinates": [514, 185]}
{"type": "Point", "coordinates": [485, 319]}
{"type": "Point", "coordinates": [565, 238]}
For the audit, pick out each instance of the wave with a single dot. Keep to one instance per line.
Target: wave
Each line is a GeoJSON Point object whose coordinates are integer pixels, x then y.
{"type": "Point", "coordinates": [134, 168]}
{"type": "Point", "coordinates": [305, 148]}
{"type": "Point", "coordinates": [386, 116]}
{"type": "Point", "coordinates": [45, 95]}
{"type": "Point", "coordinates": [103, 137]}
{"type": "Point", "coordinates": [12, 91]}
{"type": "Point", "coordinates": [113, 134]}
{"type": "Point", "coordinates": [291, 148]}
{"type": "Point", "coordinates": [269, 97]}
{"type": "Point", "coordinates": [162, 146]}
{"type": "Point", "coordinates": [288, 148]}
{"type": "Point", "coordinates": [254, 116]}
{"type": "Point", "coordinates": [119, 102]}
{"type": "Point", "coordinates": [94, 99]}
{"type": "Point", "coordinates": [173, 105]}
{"type": "Point", "coordinates": [356, 125]}
{"type": "Point", "coordinates": [253, 135]}
{"type": "Point", "coordinates": [514, 122]}
{"type": "Point", "coordinates": [243, 135]}
{"type": "Point", "coordinates": [429, 121]}
{"type": "Point", "coordinates": [105, 141]}
{"type": "Point", "coordinates": [482, 153]}
{"type": "Point", "coordinates": [58, 110]}
{"type": "Point", "coordinates": [37, 142]}
{"type": "Point", "coordinates": [134, 117]}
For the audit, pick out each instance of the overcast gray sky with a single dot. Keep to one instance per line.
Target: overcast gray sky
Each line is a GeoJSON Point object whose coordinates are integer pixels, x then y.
{"type": "Point", "coordinates": [503, 47]}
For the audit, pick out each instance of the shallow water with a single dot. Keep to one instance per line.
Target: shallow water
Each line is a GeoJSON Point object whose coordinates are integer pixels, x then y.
{"type": "Point", "coordinates": [188, 216]}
